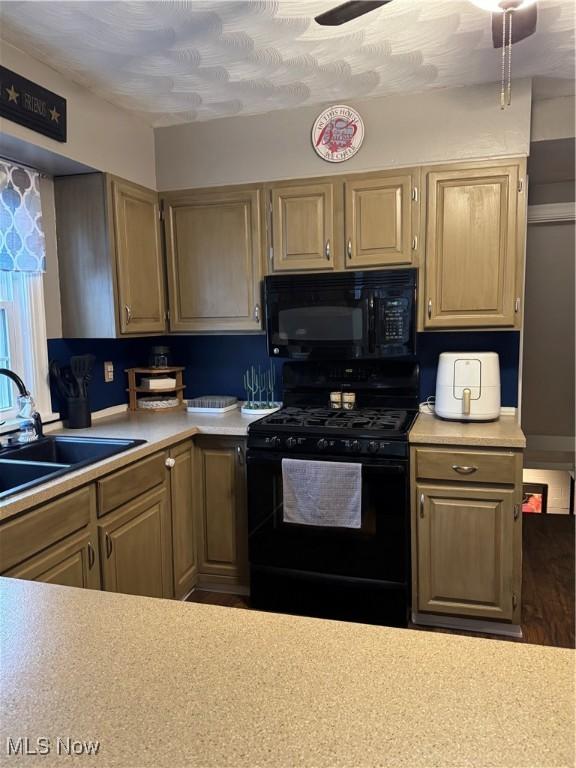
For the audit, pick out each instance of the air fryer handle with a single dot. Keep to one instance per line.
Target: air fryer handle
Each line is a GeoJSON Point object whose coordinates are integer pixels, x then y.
{"type": "Point", "coordinates": [466, 401]}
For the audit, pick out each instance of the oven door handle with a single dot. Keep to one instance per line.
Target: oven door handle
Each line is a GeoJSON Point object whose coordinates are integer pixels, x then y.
{"type": "Point", "coordinates": [266, 458]}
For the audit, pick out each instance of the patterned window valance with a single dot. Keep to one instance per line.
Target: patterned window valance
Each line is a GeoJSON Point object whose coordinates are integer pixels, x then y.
{"type": "Point", "coordinates": [22, 247]}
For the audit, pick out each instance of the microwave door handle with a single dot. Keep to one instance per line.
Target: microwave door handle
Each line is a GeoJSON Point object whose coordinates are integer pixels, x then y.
{"type": "Point", "coordinates": [371, 324]}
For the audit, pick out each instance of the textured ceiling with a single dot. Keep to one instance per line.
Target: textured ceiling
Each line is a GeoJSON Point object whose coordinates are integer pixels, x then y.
{"type": "Point", "coordinates": [178, 61]}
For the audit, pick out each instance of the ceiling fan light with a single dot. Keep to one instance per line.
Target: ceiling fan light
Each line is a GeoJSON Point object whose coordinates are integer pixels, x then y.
{"type": "Point", "coordinates": [499, 6]}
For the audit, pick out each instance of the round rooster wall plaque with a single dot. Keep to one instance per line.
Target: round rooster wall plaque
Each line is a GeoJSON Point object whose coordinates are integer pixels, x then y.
{"type": "Point", "coordinates": [338, 133]}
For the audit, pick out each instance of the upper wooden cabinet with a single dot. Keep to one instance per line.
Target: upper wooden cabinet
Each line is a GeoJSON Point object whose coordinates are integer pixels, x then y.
{"type": "Point", "coordinates": [303, 235]}
{"type": "Point", "coordinates": [381, 220]}
{"type": "Point", "coordinates": [110, 259]}
{"type": "Point", "coordinates": [474, 246]}
{"type": "Point", "coordinates": [139, 260]}
{"type": "Point", "coordinates": [214, 253]}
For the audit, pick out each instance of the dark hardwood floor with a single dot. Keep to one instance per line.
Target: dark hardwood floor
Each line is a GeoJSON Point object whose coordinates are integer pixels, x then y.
{"type": "Point", "coordinates": [547, 584]}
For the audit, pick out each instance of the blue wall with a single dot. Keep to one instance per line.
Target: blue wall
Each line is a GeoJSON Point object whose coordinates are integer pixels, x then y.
{"type": "Point", "coordinates": [215, 364]}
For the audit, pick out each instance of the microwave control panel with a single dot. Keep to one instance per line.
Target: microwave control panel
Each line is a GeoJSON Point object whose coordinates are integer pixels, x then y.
{"type": "Point", "coordinates": [396, 319]}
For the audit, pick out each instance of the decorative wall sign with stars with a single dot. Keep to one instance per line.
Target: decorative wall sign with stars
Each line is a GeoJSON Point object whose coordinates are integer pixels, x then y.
{"type": "Point", "coordinates": [32, 106]}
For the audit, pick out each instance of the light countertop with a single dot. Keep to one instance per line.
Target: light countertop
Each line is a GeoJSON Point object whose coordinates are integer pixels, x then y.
{"type": "Point", "coordinates": [162, 683]}
{"type": "Point", "coordinates": [503, 433]}
{"type": "Point", "coordinates": [159, 430]}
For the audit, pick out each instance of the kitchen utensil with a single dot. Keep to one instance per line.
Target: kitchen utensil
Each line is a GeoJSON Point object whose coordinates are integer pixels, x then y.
{"type": "Point", "coordinates": [468, 386]}
{"type": "Point", "coordinates": [81, 366]}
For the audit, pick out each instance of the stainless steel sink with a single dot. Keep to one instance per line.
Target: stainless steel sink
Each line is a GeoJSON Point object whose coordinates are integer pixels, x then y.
{"type": "Point", "coordinates": [30, 464]}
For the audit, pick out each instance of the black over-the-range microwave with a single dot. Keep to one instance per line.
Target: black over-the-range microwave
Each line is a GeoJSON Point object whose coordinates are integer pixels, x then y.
{"type": "Point", "coordinates": [342, 316]}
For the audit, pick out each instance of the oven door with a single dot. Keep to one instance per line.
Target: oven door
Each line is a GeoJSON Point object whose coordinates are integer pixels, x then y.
{"type": "Point", "coordinates": [378, 550]}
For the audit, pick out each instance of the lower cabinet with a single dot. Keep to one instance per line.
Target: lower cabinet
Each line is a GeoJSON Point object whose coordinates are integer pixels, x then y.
{"type": "Point", "coordinates": [72, 562]}
{"type": "Point", "coordinates": [466, 534]}
{"type": "Point", "coordinates": [135, 546]}
{"type": "Point", "coordinates": [183, 528]}
{"type": "Point", "coordinates": [465, 546]}
{"type": "Point", "coordinates": [220, 493]}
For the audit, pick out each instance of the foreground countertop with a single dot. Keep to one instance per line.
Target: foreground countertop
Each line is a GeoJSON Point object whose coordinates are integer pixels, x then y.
{"type": "Point", "coordinates": [503, 433]}
{"type": "Point", "coordinates": [161, 683]}
{"type": "Point", "coordinates": [159, 430]}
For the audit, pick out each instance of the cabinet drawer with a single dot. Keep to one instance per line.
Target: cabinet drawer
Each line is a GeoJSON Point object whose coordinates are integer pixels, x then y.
{"type": "Point", "coordinates": [34, 531]}
{"type": "Point", "coordinates": [127, 484]}
{"type": "Point", "coordinates": [477, 466]}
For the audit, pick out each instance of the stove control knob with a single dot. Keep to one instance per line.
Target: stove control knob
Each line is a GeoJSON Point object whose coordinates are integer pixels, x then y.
{"type": "Point", "coordinates": [373, 446]}
{"type": "Point", "coordinates": [291, 442]}
{"type": "Point", "coordinates": [355, 445]}
{"type": "Point", "coordinates": [273, 442]}
{"type": "Point", "coordinates": [322, 443]}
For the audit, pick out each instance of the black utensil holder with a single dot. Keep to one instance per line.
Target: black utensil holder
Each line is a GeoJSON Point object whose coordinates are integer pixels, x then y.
{"type": "Point", "coordinates": [79, 415]}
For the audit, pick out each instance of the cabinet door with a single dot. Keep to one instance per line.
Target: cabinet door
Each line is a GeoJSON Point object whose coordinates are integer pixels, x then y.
{"type": "Point", "coordinates": [72, 562]}
{"type": "Point", "coordinates": [182, 507]}
{"type": "Point", "coordinates": [140, 272]}
{"type": "Point", "coordinates": [303, 227]}
{"type": "Point", "coordinates": [214, 251]}
{"type": "Point", "coordinates": [466, 542]}
{"type": "Point", "coordinates": [221, 498]}
{"type": "Point", "coordinates": [135, 547]}
{"type": "Point", "coordinates": [471, 247]}
{"type": "Point", "coordinates": [380, 225]}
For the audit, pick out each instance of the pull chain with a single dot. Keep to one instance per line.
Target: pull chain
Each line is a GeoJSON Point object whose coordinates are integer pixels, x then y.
{"type": "Point", "coordinates": [506, 79]}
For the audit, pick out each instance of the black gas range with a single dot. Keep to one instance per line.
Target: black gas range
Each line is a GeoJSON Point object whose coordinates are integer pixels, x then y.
{"type": "Point", "coordinates": [355, 574]}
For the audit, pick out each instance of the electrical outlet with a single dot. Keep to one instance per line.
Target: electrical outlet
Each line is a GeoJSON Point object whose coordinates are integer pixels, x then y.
{"type": "Point", "coordinates": [108, 371]}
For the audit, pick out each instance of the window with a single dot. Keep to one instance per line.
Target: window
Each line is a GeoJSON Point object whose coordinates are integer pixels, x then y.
{"type": "Point", "coordinates": [22, 263]}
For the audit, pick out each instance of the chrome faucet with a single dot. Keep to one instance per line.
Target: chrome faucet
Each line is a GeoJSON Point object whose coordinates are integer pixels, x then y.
{"type": "Point", "coordinates": [31, 422]}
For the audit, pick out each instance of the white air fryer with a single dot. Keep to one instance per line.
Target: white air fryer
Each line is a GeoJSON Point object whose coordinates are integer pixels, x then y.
{"type": "Point", "coordinates": [468, 386]}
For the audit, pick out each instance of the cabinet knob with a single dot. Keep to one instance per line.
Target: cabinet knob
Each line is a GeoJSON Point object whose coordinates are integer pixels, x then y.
{"type": "Point", "coordinates": [170, 462]}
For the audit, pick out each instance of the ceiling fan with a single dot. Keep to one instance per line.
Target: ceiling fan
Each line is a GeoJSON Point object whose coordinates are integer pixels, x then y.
{"type": "Point", "coordinates": [525, 16]}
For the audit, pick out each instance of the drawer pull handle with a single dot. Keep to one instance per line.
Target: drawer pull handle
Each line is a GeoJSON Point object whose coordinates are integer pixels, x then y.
{"type": "Point", "coordinates": [516, 511]}
{"type": "Point", "coordinates": [91, 556]}
{"type": "Point", "coordinates": [128, 313]}
{"type": "Point", "coordinates": [421, 505]}
{"type": "Point", "coordinates": [349, 248]}
{"type": "Point", "coordinates": [240, 453]}
{"type": "Point", "coordinates": [257, 313]}
{"type": "Point", "coordinates": [464, 470]}
{"type": "Point", "coordinates": [429, 308]}
{"type": "Point", "coordinates": [327, 251]}
{"type": "Point", "coordinates": [108, 546]}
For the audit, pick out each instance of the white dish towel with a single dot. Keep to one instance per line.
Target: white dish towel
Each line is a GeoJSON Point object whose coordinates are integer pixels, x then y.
{"type": "Point", "coordinates": [325, 493]}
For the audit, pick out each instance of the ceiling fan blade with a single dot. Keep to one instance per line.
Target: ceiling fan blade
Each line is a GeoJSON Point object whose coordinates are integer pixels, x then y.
{"type": "Point", "coordinates": [523, 25]}
{"type": "Point", "coordinates": [348, 11]}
